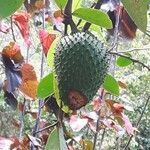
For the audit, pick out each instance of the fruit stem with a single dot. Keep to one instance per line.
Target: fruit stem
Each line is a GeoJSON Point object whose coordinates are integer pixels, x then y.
{"type": "Point", "coordinates": [68, 17]}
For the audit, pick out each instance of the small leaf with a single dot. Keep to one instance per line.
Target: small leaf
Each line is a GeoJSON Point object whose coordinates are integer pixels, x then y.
{"type": "Point", "coordinates": [61, 3]}
{"type": "Point", "coordinates": [8, 7]}
{"type": "Point", "coordinates": [87, 144]}
{"type": "Point", "coordinates": [94, 16]}
{"type": "Point", "coordinates": [137, 10]}
{"type": "Point", "coordinates": [45, 87]}
{"type": "Point", "coordinates": [111, 85]}
{"type": "Point", "coordinates": [122, 85]}
{"type": "Point", "coordinates": [123, 62]}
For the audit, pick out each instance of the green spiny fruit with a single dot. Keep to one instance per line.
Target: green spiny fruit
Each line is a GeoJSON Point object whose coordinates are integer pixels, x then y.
{"type": "Point", "coordinates": [81, 64]}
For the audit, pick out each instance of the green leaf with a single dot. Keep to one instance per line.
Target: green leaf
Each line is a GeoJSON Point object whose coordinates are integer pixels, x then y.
{"type": "Point", "coordinates": [61, 3]}
{"type": "Point", "coordinates": [56, 140]}
{"type": "Point", "coordinates": [45, 87]}
{"type": "Point", "coordinates": [53, 141]}
{"type": "Point", "coordinates": [63, 145]}
{"type": "Point", "coordinates": [123, 62]}
{"type": "Point", "coordinates": [137, 10]}
{"type": "Point", "coordinates": [8, 7]}
{"type": "Point", "coordinates": [50, 54]}
{"type": "Point", "coordinates": [94, 16]}
{"type": "Point", "coordinates": [111, 85]}
{"type": "Point", "coordinates": [76, 4]}
{"type": "Point", "coordinates": [57, 96]}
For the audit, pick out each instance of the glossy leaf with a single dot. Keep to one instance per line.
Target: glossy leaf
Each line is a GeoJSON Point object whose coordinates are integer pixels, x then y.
{"type": "Point", "coordinates": [76, 4]}
{"type": "Point", "coordinates": [94, 16]}
{"type": "Point", "coordinates": [123, 62]}
{"type": "Point", "coordinates": [111, 85]}
{"type": "Point", "coordinates": [13, 52]}
{"type": "Point", "coordinates": [56, 140]}
{"type": "Point", "coordinates": [28, 72]}
{"type": "Point", "coordinates": [137, 10]}
{"type": "Point", "coordinates": [62, 140]}
{"type": "Point", "coordinates": [53, 141]}
{"type": "Point", "coordinates": [46, 40]}
{"type": "Point", "coordinates": [21, 19]}
{"type": "Point", "coordinates": [29, 81]}
{"type": "Point", "coordinates": [61, 3]}
{"type": "Point", "coordinates": [29, 89]}
{"type": "Point", "coordinates": [8, 7]}
{"type": "Point", "coordinates": [45, 87]}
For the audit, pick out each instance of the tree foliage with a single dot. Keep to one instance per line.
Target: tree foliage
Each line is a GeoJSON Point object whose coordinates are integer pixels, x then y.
{"type": "Point", "coordinates": [32, 112]}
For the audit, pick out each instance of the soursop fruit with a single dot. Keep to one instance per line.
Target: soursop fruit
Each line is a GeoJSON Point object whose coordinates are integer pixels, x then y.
{"type": "Point", "coordinates": [81, 64]}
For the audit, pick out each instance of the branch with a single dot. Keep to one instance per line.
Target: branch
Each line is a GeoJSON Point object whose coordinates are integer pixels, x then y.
{"type": "Point", "coordinates": [102, 139]}
{"type": "Point", "coordinates": [48, 127]}
{"type": "Point", "coordinates": [133, 60]}
{"type": "Point", "coordinates": [87, 24]}
{"type": "Point", "coordinates": [41, 75]}
{"type": "Point", "coordinates": [135, 49]}
{"type": "Point", "coordinates": [97, 123]}
{"type": "Point", "coordinates": [22, 119]}
{"type": "Point", "coordinates": [68, 17]}
{"type": "Point", "coordinates": [12, 29]}
{"type": "Point", "coordinates": [138, 122]}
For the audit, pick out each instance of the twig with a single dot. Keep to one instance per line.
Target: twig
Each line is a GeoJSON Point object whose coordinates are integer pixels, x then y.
{"type": "Point", "coordinates": [138, 122]}
{"type": "Point", "coordinates": [68, 17]}
{"type": "Point", "coordinates": [22, 118]}
{"type": "Point", "coordinates": [12, 29]}
{"type": "Point", "coordinates": [48, 127]}
{"type": "Point", "coordinates": [97, 123]}
{"type": "Point", "coordinates": [95, 136]}
{"type": "Point", "coordinates": [87, 24]}
{"type": "Point", "coordinates": [41, 75]}
{"type": "Point", "coordinates": [134, 49]}
{"type": "Point", "coordinates": [133, 60]}
{"type": "Point", "coordinates": [102, 139]}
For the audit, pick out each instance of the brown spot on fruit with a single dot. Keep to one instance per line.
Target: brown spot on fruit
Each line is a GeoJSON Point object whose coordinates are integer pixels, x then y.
{"type": "Point", "coordinates": [76, 99]}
